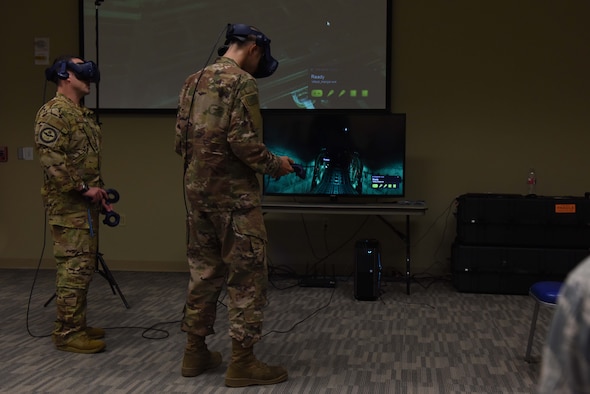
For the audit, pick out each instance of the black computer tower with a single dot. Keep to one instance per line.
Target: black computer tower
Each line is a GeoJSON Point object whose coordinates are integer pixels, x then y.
{"type": "Point", "coordinates": [367, 271]}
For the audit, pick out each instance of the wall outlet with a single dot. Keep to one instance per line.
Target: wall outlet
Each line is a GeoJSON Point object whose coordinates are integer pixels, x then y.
{"type": "Point", "coordinates": [28, 153]}
{"type": "Point", "coordinates": [24, 153]}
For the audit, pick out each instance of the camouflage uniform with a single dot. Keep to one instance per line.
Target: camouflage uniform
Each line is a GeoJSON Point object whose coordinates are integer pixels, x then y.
{"type": "Point", "coordinates": [219, 134]}
{"type": "Point", "coordinates": [68, 142]}
{"type": "Point", "coordinates": [566, 357]}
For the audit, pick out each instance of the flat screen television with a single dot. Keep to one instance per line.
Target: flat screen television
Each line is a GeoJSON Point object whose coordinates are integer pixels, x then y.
{"type": "Point", "coordinates": [357, 154]}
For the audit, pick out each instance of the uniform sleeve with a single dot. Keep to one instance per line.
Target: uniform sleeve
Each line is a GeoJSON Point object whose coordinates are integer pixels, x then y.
{"type": "Point", "coordinates": [182, 117]}
{"type": "Point", "coordinates": [52, 132]}
{"type": "Point", "coordinates": [245, 134]}
{"type": "Point", "coordinates": [182, 142]}
{"type": "Point", "coordinates": [566, 356]}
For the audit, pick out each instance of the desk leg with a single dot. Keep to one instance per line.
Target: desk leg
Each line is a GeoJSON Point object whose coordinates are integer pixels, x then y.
{"type": "Point", "coordinates": [408, 277]}
{"type": "Point", "coordinates": [406, 238]}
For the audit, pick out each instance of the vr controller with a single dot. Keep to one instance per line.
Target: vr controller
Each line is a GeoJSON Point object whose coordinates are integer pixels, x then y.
{"type": "Point", "coordinates": [111, 218]}
{"type": "Point", "coordinates": [299, 170]}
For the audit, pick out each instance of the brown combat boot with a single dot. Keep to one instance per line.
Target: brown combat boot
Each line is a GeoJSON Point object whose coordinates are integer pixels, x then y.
{"type": "Point", "coordinates": [197, 358]}
{"type": "Point", "coordinates": [245, 370]}
{"type": "Point", "coordinates": [80, 343]}
{"type": "Point", "coordinates": [95, 332]}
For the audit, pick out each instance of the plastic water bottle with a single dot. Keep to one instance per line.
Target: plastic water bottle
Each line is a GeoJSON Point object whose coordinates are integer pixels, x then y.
{"type": "Point", "coordinates": [531, 181]}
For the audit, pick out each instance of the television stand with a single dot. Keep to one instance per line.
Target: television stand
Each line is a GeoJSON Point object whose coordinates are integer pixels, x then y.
{"type": "Point", "coordinates": [405, 208]}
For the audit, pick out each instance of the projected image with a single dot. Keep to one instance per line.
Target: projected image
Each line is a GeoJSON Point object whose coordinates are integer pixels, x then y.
{"type": "Point", "coordinates": [339, 155]}
{"type": "Point", "coordinates": [331, 88]}
{"type": "Point", "coordinates": [332, 54]}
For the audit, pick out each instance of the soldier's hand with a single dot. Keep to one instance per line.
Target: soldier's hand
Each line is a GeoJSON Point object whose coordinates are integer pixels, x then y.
{"type": "Point", "coordinates": [285, 167]}
{"type": "Point", "coordinates": [96, 194]}
{"type": "Point", "coordinates": [106, 206]}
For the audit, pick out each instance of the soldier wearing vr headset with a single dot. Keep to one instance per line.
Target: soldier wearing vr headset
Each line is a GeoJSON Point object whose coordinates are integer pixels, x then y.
{"type": "Point", "coordinates": [68, 143]}
{"type": "Point", "coordinates": [219, 135]}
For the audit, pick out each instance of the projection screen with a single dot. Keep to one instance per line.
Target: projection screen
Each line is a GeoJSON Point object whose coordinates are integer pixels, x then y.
{"type": "Point", "coordinates": [333, 54]}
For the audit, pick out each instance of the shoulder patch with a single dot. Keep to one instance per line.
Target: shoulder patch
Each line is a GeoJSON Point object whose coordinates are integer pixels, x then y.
{"type": "Point", "coordinates": [48, 135]}
{"type": "Point", "coordinates": [251, 100]}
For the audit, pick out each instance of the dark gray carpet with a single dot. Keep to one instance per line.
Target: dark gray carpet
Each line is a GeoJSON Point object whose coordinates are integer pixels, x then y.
{"type": "Point", "coordinates": [434, 340]}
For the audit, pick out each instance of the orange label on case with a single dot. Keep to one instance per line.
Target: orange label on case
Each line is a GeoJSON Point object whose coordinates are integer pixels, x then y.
{"type": "Point", "coordinates": [565, 208]}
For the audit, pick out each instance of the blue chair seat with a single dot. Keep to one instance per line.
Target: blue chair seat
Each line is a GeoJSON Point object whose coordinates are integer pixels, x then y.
{"type": "Point", "coordinates": [544, 293]}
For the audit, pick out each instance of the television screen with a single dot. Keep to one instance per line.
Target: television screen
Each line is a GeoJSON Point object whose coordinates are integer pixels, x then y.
{"type": "Point", "coordinates": [354, 153]}
{"type": "Point", "coordinates": [331, 53]}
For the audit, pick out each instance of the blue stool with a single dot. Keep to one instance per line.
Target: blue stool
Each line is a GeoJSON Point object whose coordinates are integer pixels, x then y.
{"type": "Point", "coordinates": [544, 293]}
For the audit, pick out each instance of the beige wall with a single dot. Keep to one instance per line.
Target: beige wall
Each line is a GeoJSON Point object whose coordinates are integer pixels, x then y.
{"type": "Point", "coordinates": [490, 89]}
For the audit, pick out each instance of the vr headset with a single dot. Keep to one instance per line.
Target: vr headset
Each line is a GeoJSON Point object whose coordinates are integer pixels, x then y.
{"type": "Point", "coordinates": [87, 71]}
{"type": "Point", "coordinates": [240, 32]}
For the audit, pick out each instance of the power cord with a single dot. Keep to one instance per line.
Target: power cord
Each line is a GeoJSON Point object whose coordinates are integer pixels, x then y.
{"type": "Point", "coordinates": [446, 213]}
{"type": "Point", "coordinates": [447, 210]}
{"type": "Point", "coordinates": [35, 281]}
{"type": "Point", "coordinates": [164, 333]}
{"type": "Point", "coordinates": [305, 318]}
{"type": "Point", "coordinates": [338, 248]}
